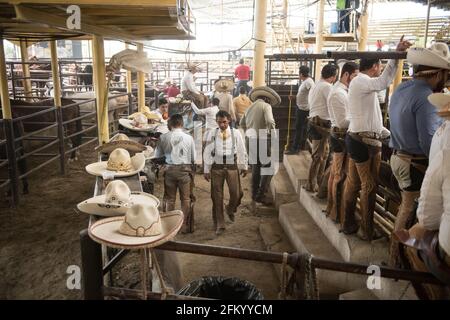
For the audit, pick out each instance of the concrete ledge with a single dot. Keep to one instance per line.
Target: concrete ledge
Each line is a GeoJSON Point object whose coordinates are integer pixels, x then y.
{"type": "Point", "coordinates": [305, 236]}
{"type": "Point", "coordinates": [297, 168]}
{"type": "Point", "coordinates": [351, 248]}
{"type": "Point", "coordinates": [282, 189]}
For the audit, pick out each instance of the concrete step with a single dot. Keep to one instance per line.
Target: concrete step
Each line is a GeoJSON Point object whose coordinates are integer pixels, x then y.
{"type": "Point", "coordinates": [281, 188]}
{"type": "Point", "coordinates": [361, 294]}
{"type": "Point", "coordinates": [305, 236]}
{"type": "Point", "coordinates": [297, 168]}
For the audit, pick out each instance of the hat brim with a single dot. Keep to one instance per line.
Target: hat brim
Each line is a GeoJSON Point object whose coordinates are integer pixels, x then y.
{"type": "Point", "coordinates": [98, 168]}
{"type": "Point", "coordinates": [106, 231]}
{"type": "Point", "coordinates": [98, 206]}
{"type": "Point", "coordinates": [426, 57]}
{"type": "Point", "coordinates": [128, 123]}
{"type": "Point", "coordinates": [129, 145]}
{"type": "Point", "coordinates": [229, 87]}
{"type": "Point", "coordinates": [265, 92]}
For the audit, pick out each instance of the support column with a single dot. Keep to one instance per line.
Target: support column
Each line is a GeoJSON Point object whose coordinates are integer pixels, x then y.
{"type": "Point", "coordinates": [25, 69]}
{"type": "Point", "coordinates": [57, 103]}
{"type": "Point", "coordinates": [363, 27]}
{"type": "Point", "coordinates": [100, 87]}
{"type": "Point", "coordinates": [319, 37]}
{"type": "Point", "coordinates": [128, 77]}
{"type": "Point", "coordinates": [260, 43]}
{"type": "Point", "coordinates": [398, 76]}
{"type": "Point", "coordinates": [141, 83]}
{"type": "Point", "coordinates": [6, 106]}
{"type": "Point", "coordinates": [427, 24]}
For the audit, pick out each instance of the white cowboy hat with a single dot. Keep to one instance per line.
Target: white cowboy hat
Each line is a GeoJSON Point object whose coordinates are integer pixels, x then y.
{"type": "Point", "coordinates": [442, 102]}
{"type": "Point", "coordinates": [141, 227]}
{"type": "Point", "coordinates": [193, 67]}
{"type": "Point", "coordinates": [121, 140]}
{"type": "Point", "coordinates": [138, 125]}
{"type": "Point", "coordinates": [224, 85]}
{"type": "Point", "coordinates": [117, 199]}
{"type": "Point", "coordinates": [437, 56]}
{"type": "Point", "coordinates": [265, 92]}
{"type": "Point", "coordinates": [146, 112]}
{"type": "Point", "coordinates": [119, 163]}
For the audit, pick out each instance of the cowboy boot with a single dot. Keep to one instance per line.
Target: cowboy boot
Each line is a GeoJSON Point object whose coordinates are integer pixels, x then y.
{"type": "Point", "coordinates": [406, 210]}
{"type": "Point", "coordinates": [367, 199]}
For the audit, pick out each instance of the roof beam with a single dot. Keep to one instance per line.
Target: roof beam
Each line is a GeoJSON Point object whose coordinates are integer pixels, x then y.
{"type": "Point", "coordinates": [129, 3]}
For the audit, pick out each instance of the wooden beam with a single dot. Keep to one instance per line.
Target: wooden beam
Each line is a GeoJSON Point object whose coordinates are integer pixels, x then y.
{"type": "Point", "coordinates": [127, 12]}
{"type": "Point", "coordinates": [260, 43]}
{"type": "Point", "coordinates": [25, 68]}
{"type": "Point", "coordinates": [129, 83]}
{"type": "Point", "coordinates": [4, 92]}
{"type": "Point", "coordinates": [38, 16]}
{"type": "Point", "coordinates": [134, 3]}
{"type": "Point", "coordinates": [141, 84]}
{"type": "Point", "coordinates": [132, 21]}
{"type": "Point", "coordinates": [55, 74]}
{"type": "Point", "coordinates": [319, 37]}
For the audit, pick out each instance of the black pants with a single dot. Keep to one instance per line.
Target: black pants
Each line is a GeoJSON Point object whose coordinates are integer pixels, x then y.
{"type": "Point", "coordinates": [301, 130]}
{"type": "Point", "coordinates": [260, 182]}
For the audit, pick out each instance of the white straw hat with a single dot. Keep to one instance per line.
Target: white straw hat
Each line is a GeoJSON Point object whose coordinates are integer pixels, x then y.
{"type": "Point", "coordinates": [117, 199]}
{"type": "Point", "coordinates": [224, 85]}
{"type": "Point", "coordinates": [141, 227]}
{"type": "Point", "coordinates": [120, 164]}
{"type": "Point", "coordinates": [437, 56]}
{"type": "Point", "coordinates": [442, 102]}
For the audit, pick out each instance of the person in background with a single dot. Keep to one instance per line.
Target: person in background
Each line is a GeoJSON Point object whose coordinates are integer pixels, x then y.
{"type": "Point", "coordinates": [163, 109]}
{"type": "Point", "coordinates": [173, 90]}
{"type": "Point", "coordinates": [241, 104]}
{"type": "Point", "coordinates": [242, 73]}
{"type": "Point", "coordinates": [209, 113]}
{"type": "Point", "coordinates": [189, 89]}
{"type": "Point", "coordinates": [223, 89]}
{"type": "Point", "coordinates": [302, 111]}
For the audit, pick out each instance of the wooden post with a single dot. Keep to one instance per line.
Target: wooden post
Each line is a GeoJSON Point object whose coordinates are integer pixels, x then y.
{"type": "Point", "coordinates": [141, 84]}
{"type": "Point", "coordinates": [398, 76]}
{"type": "Point", "coordinates": [57, 103]}
{"type": "Point", "coordinates": [9, 129]}
{"type": "Point", "coordinates": [319, 37]}
{"type": "Point", "coordinates": [91, 267]}
{"type": "Point", "coordinates": [129, 83]}
{"type": "Point", "coordinates": [25, 69]}
{"type": "Point", "coordinates": [260, 42]}
{"type": "Point", "coordinates": [100, 87]}
{"type": "Point", "coordinates": [363, 27]}
{"type": "Point", "coordinates": [427, 24]}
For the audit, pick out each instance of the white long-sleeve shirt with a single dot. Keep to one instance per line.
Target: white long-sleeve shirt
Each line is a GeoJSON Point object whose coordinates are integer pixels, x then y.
{"type": "Point", "coordinates": [224, 148]}
{"type": "Point", "coordinates": [188, 83]}
{"type": "Point", "coordinates": [338, 105]}
{"type": "Point", "coordinates": [441, 139]}
{"type": "Point", "coordinates": [178, 147]}
{"type": "Point", "coordinates": [317, 99]}
{"type": "Point", "coordinates": [433, 212]}
{"type": "Point", "coordinates": [210, 115]}
{"type": "Point", "coordinates": [302, 95]}
{"type": "Point", "coordinates": [364, 110]}
{"type": "Point", "coordinates": [226, 103]}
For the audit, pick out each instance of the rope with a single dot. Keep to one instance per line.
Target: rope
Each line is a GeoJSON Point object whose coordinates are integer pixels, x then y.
{"type": "Point", "coordinates": [283, 284]}
{"type": "Point", "coordinates": [164, 289]}
{"type": "Point", "coordinates": [286, 146]}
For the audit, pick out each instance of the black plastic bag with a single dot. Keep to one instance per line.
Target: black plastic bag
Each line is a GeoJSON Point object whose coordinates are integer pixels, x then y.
{"type": "Point", "coordinates": [223, 288]}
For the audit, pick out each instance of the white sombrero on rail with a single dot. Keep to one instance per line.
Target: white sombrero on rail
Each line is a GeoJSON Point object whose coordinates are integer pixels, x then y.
{"type": "Point", "coordinates": [442, 102]}
{"type": "Point", "coordinates": [437, 56]}
{"type": "Point", "coordinates": [117, 199]}
{"type": "Point", "coordinates": [265, 92]}
{"type": "Point", "coordinates": [121, 140]}
{"type": "Point", "coordinates": [119, 164]}
{"type": "Point", "coordinates": [141, 227]}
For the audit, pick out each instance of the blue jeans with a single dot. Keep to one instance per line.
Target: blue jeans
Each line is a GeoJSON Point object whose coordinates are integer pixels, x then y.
{"type": "Point", "coordinates": [242, 83]}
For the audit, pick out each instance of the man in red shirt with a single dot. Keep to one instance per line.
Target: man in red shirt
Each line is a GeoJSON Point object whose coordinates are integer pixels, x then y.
{"type": "Point", "coordinates": [173, 91]}
{"type": "Point", "coordinates": [242, 73]}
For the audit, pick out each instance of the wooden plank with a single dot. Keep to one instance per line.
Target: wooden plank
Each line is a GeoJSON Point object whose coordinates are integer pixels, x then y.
{"type": "Point", "coordinates": [146, 3]}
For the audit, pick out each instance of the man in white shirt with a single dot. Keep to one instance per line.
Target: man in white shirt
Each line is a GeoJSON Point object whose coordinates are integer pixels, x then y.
{"type": "Point", "coordinates": [223, 89]}
{"type": "Point", "coordinates": [441, 138]}
{"type": "Point", "coordinates": [188, 88]}
{"type": "Point", "coordinates": [337, 109]}
{"type": "Point", "coordinates": [363, 141]}
{"type": "Point", "coordinates": [224, 156]}
{"type": "Point", "coordinates": [209, 113]}
{"type": "Point", "coordinates": [178, 148]}
{"type": "Point", "coordinates": [302, 111]}
{"type": "Point", "coordinates": [319, 126]}
{"type": "Point", "coordinates": [163, 109]}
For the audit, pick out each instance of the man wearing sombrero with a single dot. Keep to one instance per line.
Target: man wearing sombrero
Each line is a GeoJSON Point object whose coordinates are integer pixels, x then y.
{"type": "Point", "coordinates": [414, 120]}
{"type": "Point", "coordinates": [188, 88]}
{"type": "Point", "coordinates": [222, 91]}
{"type": "Point", "coordinates": [258, 122]}
{"type": "Point", "coordinates": [428, 241]}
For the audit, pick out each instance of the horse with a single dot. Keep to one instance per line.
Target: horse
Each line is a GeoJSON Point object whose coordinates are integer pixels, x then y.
{"type": "Point", "coordinates": [18, 110]}
{"type": "Point", "coordinates": [85, 79]}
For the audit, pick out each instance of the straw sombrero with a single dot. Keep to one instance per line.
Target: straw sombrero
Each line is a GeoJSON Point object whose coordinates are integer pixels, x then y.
{"type": "Point", "coordinates": [117, 199]}
{"type": "Point", "coordinates": [146, 112]}
{"type": "Point", "coordinates": [119, 164]}
{"type": "Point", "coordinates": [141, 227]}
{"type": "Point", "coordinates": [442, 102]}
{"type": "Point", "coordinates": [265, 92]}
{"type": "Point", "coordinates": [437, 56]}
{"type": "Point", "coordinates": [121, 140]}
{"type": "Point", "coordinates": [139, 124]}
{"type": "Point", "coordinates": [193, 67]}
{"type": "Point", "coordinates": [224, 85]}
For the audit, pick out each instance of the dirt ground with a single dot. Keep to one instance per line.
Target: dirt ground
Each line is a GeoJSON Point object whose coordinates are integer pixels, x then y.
{"type": "Point", "coordinates": [40, 239]}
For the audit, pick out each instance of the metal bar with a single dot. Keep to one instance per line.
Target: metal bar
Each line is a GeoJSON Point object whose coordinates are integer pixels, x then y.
{"type": "Point", "coordinates": [25, 137]}
{"type": "Point", "coordinates": [93, 113]}
{"type": "Point", "coordinates": [137, 294]}
{"type": "Point", "coordinates": [80, 132]}
{"type": "Point", "coordinates": [427, 23]}
{"type": "Point", "coordinates": [5, 184]}
{"type": "Point", "coordinates": [26, 155]}
{"type": "Point", "coordinates": [34, 115]}
{"type": "Point", "coordinates": [91, 264]}
{"type": "Point", "coordinates": [81, 145]}
{"type": "Point", "coordinates": [40, 138]}
{"type": "Point", "coordinates": [39, 167]}
{"type": "Point", "coordinates": [12, 161]}
{"type": "Point", "coordinates": [45, 154]}
{"type": "Point", "coordinates": [351, 55]}
{"type": "Point", "coordinates": [61, 147]}
{"type": "Point", "coordinates": [111, 263]}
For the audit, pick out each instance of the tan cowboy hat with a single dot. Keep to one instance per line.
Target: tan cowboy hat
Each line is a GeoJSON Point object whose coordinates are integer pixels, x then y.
{"type": "Point", "coordinates": [265, 92]}
{"type": "Point", "coordinates": [119, 163]}
{"type": "Point", "coordinates": [442, 102]}
{"type": "Point", "coordinates": [141, 227]}
{"type": "Point", "coordinates": [117, 199]}
{"type": "Point", "coordinates": [139, 123]}
{"type": "Point", "coordinates": [224, 85]}
{"type": "Point", "coordinates": [121, 140]}
{"type": "Point", "coordinates": [193, 67]}
{"type": "Point", "coordinates": [146, 112]}
{"type": "Point", "coordinates": [437, 56]}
